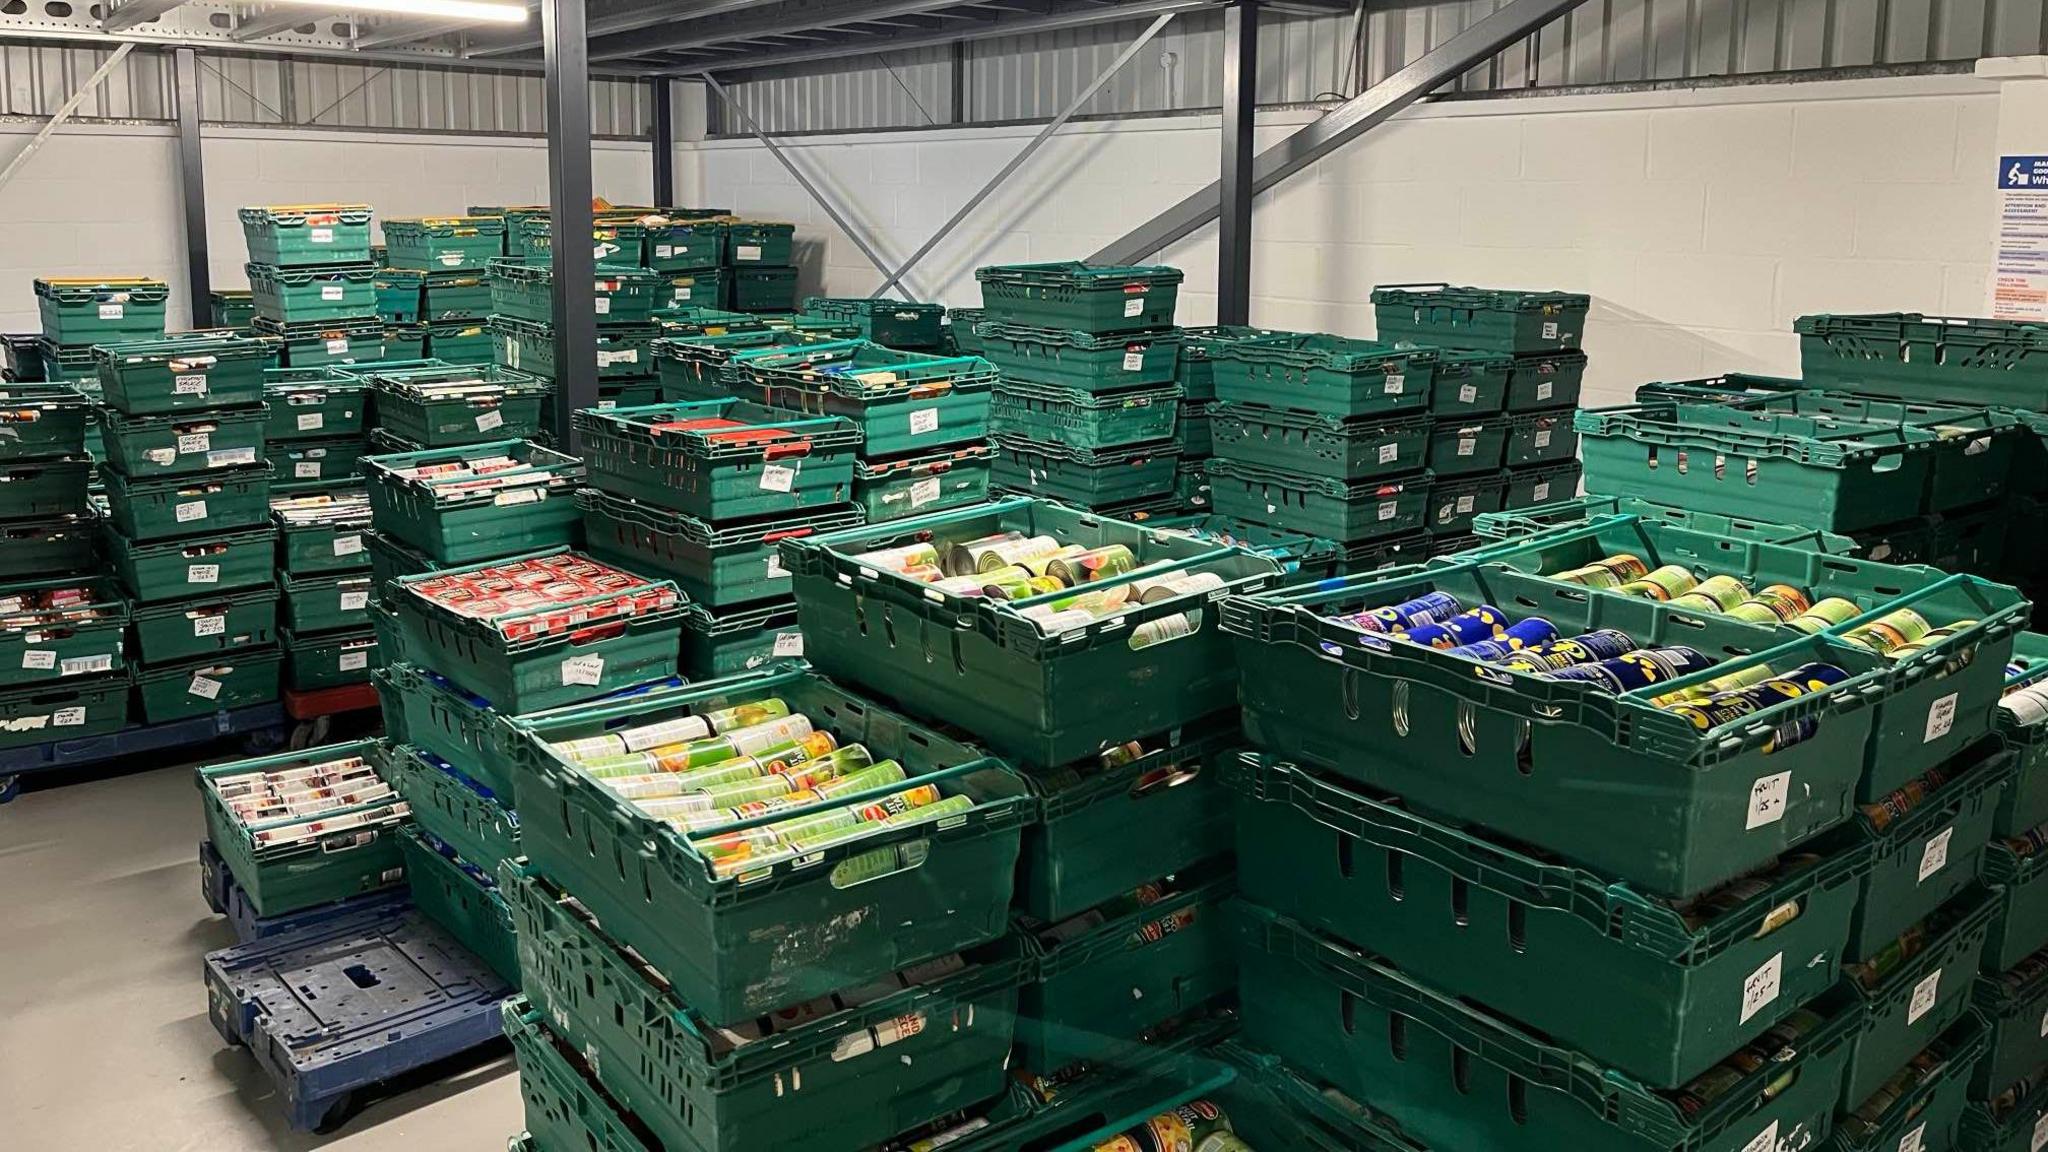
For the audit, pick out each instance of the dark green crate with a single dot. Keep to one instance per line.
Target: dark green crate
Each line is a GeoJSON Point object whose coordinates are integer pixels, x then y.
{"type": "Point", "coordinates": [1089, 479]}
{"type": "Point", "coordinates": [1534, 487]}
{"type": "Point", "coordinates": [1197, 372]}
{"type": "Point", "coordinates": [451, 405]}
{"type": "Point", "coordinates": [185, 443]}
{"type": "Point", "coordinates": [1328, 375]}
{"type": "Point", "coordinates": [52, 644]}
{"type": "Point", "coordinates": [896, 324]}
{"type": "Point", "coordinates": [1197, 429]}
{"type": "Point", "coordinates": [902, 402]}
{"type": "Point", "coordinates": [322, 461]}
{"type": "Point", "coordinates": [314, 295]}
{"type": "Point", "coordinates": [718, 565]}
{"type": "Point", "coordinates": [723, 943]}
{"type": "Point", "coordinates": [1929, 1112]}
{"type": "Point", "coordinates": [220, 683]}
{"type": "Point", "coordinates": [1546, 380]}
{"type": "Point", "coordinates": [87, 310]}
{"type": "Point", "coordinates": [38, 489]}
{"type": "Point", "coordinates": [1461, 448]}
{"type": "Point", "coordinates": [1082, 419]}
{"type": "Point", "coordinates": [624, 394]}
{"type": "Point", "coordinates": [329, 660]}
{"type": "Point", "coordinates": [763, 289]}
{"type": "Point", "coordinates": [1541, 438]}
{"type": "Point", "coordinates": [145, 511]}
{"type": "Point", "coordinates": [1093, 992]}
{"type": "Point", "coordinates": [2025, 803]}
{"type": "Point", "coordinates": [390, 559]}
{"type": "Point", "coordinates": [462, 342]}
{"type": "Point", "coordinates": [1921, 998]}
{"type": "Point", "coordinates": [525, 346]}
{"type": "Point", "coordinates": [446, 519]}
{"type": "Point", "coordinates": [50, 545]}
{"type": "Point", "coordinates": [1300, 557]}
{"type": "Point", "coordinates": [41, 421]}
{"type": "Point", "coordinates": [288, 877]}
{"type": "Point", "coordinates": [302, 235]}
{"type": "Point", "coordinates": [405, 343]}
{"type": "Point", "coordinates": [181, 374]}
{"type": "Point", "coordinates": [1470, 385]}
{"type": "Point", "coordinates": [752, 242]}
{"type": "Point", "coordinates": [1923, 861]}
{"type": "Point", "coordinates": [1515, 753]}
{"type": "Point", "coordinates": [61, 364]}
{"type": "Point", "coordinates": [324, 342]}
{"type": "Point", "coordinates": [1492, 319]}
{"type": "Point", "coordinates": [526, 292]}
{"type": "Point", "coordinates": [2009, 1123]}
{"type": "Point", "coordinates": [735, 640]}
{"type": "Point", "coordinates": [456, 728]}
{"type": "Point", "coordinates": [773, 461]}
{"type": "Point", "coordinates": [686, 245]}
{"type": "Point", "coordinates": [1346, 512]}
{"type": "Point", "coordinates": [1311, 444]}
{"type": "Point", "coordinates": [2013, 1004]}
{"type": "Point", "coordinates": [923, 482]}
{"type": "Point", "coordinates": [325, 602]}
{"type": "Point", "coordinates": [526, 675]}
{"type": "Point", "coordinates": [1455, 502]}
{"type": "Point", "coordinates": [1192, 491]}
{"type": "Point", "coordinates": [1071, 359]}
{"type": "Point", "coordinates": [1456, 1076]}
{"type": "Point", "coordinates": [462, 813]}
{"type": "Point", "coordinates": [410, 296]}
{"type": "Point", "coordinates": [1626, 978]}
{"type": "Point", "coordinates": [308, 409]}
{"type": "Point", "coordinates": [333, 543]}
{"type": "Point", "coordinates": [1385, 552]}
{"type": "Point", "coordinates": [1969, 360]}
{"type": "Point", "coordinates": [565, 1108]}
{"type": "Point", "coordinates": [1095, 298]}
{"type": "Point", "coordinates": [615, 245]}
{"type": "Point", "coordinates": [1025, 692]}
{"type": "Point", "coordinates": [681, 322]}
{"type": "Point", "coordinates": [461, 897]}
{"type": "Point", "coordinates": [1271, 1105]}
{"type": "Point", "coordinates": [33, 714]}
{"type": "Point", "coordinates": [960, 335]}
{"type": "Point", "coordinates": [2021, 927]}
{"type": "Point", "coordinates": [186, 629]}
{"type": "Point", "coordinates": [444, 244]}
{"type": "Point", "coordinates": [700, 367]}
{"type": "Point", "coordinates": [232, 308]}
{"type": "Point", "coordinates": [706, 288]}
{"type": "Point", "coordinates": [1562, 511]}
{"type": "Point", "coordinates": [192, 566]}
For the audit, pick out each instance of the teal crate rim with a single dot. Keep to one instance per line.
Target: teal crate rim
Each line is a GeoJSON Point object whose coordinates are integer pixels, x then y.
{"type": "Point", "coordinates": [1073, 338]}
{"type": "Point", "coordinates": [704, 620]}
{"type": "Point", "coordinates": [1660, 423]}
{"type": "Point", "coordinates": [1306, 350]}
{"type": "Point", "coordinates": [181, 352]}
{"type": "Point", "coordinates": [1491, 299]}
{"type": "Point", "coordinates": [1346, 490]}
{"type": "Point", "coordinates": [1079, 274]}
{"type": "Point", "coordinates": [1584, 509]}
{"type": "Point", "coordinates": [300, 277]}
{"type": "Point", "coordinates": [242, 479]}
{"type": "Point", "coordinates": [1200, 343]}
{"type": "Point", "coordinates": [942, 459]}
{"type": "Point", "coordinates": [79, 290]}
{"type": "Point", "coordinates": [1345, 426]}
{"type": "Point", "coordinates": [749, 532]}
{"type": "Point", "coordinates": [796, 367]}
{"type": "Point", "coordinates": [372, 752]}
{"type": "Point", "coordinates": [1081, 398]}
{"type": "Point", "coordinates": [106, 594]}
{"type": "Point", "coordinates": [1091, 457]}
{"type": "Point", "coordinates": [1905, 1109]}
{"type": "Point", "coordinates": [1122, 934]}
{"type": "Point", "coordinates": [638, 426]}
{"type": "Point", "coordinates": [303, 330]}
{"type": "Point", "coordinates": [234, 598]}
{"type": "Point", "coordinates": [1984, 905]}
{"type": "Point", "coordinates": [294, 215]}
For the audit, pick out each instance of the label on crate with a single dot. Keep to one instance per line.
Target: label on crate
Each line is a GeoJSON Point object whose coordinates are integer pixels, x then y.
{"type": "Point", "coordinates": [489, 421]}
{"type": "Point", "coordinates": [354, 661]}
{"type": "Point", "coordinates": [79, 665]}
{"type": "Point", "coordinates": [451, 259]}
{"type": "Point", "coordinates": [1387, 510]}
{"type": "Point", "coordinates": [746, 252]}
{"type": "Point", "coordinates": [39, 661]}
{"type": "Point", "coordinates": [312, 421]}
{"type": "Point", "coordinates": [602, 405]}
{"type": "Point", "coordinates": [1468, 393]}
{"type": "Point", "coordinates": [332, 291]}
{"type": "Point", "coordinates": [1925, 993]}
{"type": "Point", "coordinates": [924, 420]}
{"type": "Point", "coordinates": [511, 352]}
{"type": "Point", "coordinates": [1135, 306]}
{"type": "Point", "coordinates": [1760, 991]}
{"type": "Point", "coordinates": [604, 305]}
{"type": "Point", "coordinates": [1465, 504]}
{"type": "Point", "coordinates": [1467, 445]}
{"type": "Point", "coordinates": [1941, 716]}
{"type": "Point", "coordinates": [1934, 857]}
{"type": "Point", "coordinates": [1542, 491]}
{"type": "Point", "coordinates": [204, 687]}
{"type": "Point", "coordinates": [664, 251]}
{"type": "Point", "coordinates": [1389, 453]}
{"type": "Point", "coordinates": [777, 478]}
{"type": "Point", "coordinates": [190, 510]}
{"type": "Point", "coordinates": [924, 492]}
{"type": "Point", "coordinates": [1766, 1140]}
{"type": "Point", "coordinates": [67, 717]}
{"type": "Point", "coordinates": [348, 545]}
{"type": "Point", "coordinates": [1767, 801]}
{"type": "Point", "coordinates": [1550, 329]}
{"type": "Point", "coordinates": [354, 601]}
{"type": "Point", "coordinates": [789, 643]}
{"type": "Point", "coordinates": [775, 569]}
{"type": "Point", "coordinates": [683, 294]}
{"type": "Point", "coordinates": [621, 356]}
{"type": "Point", "coordinates": [1396, 384]}
{"type": "Point", "coordinates": [194, 442]}
{"type": "Point", "coordinates": [587, 671]}
{"type": "Point", "coordinates": [1914, 1141]}
{"type": "Point", "coordinates": [1544, 390]}
{"type": "Point", "coordinates": [306, 470]}
{"type": "Point", "coordinates": [2040, 1138]}
{"type": "Point", "coordinates": [228, 457]}
{"type": "Point", "coordinates": [1134, 360]}
{"type": "Point", "coordinates": [2044, 1025]}
{"type": "Point", "coordinates": [113, 311]}
{"type": "Point", "coordinates": [1543, 438]}
{"type": "Point", "coordinates": [210, 625]}
{"type": "Point", "coordinates": [337, 346]}
{"type": "Point", "coordinates": [320, 235]}
{"type": "Point", "coordinates": [191, 384]}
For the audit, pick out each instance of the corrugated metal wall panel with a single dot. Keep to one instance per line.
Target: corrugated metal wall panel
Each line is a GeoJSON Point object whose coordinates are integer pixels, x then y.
{"type": "Point", "coordinates": [895, 90]}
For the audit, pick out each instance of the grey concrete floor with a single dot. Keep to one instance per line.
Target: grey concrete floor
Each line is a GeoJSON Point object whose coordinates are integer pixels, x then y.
{"type": "Point", "coordinates": [104, 1041]}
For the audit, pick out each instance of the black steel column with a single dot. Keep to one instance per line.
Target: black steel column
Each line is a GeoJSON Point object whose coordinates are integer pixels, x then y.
{"type": "Point", "coordinates": [1240, 102]}
{"type": "Point", "coordinates": [192, 174]}
{"type": "Point", "coordinates": [566, 49]}
{"type": "Point", "coordinates": [664, 143]}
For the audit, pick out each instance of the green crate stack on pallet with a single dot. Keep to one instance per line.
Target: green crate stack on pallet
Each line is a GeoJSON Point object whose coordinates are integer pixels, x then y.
{"type": "Point", "coordinates": [71, 309]}
{"type": "Point", "coordinates": [301, 830]}
{"type": "Point", "coordinates": [1196, 376]}
{"type": "Point", "coordinates": [761, 258]}
{"type": "Point", "coordinates": [433, 298]}
{"type": "Point", "coordinates": [1087, 404]}
{"type": "Point", "coordinates": [522, 326]}
{"type": "Point", "coordinates": [1699, 811]}
{"type": "Point", "coordinates": [315, 436]}
{"type": "Point", "coordinates": [312, 281]}
{"type": "Point", "coordinates": [63, 625]}
{"type": "Point", "coordinates": [904, 325]}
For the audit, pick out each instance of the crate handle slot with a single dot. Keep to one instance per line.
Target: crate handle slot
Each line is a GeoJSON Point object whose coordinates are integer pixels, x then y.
{"type": "Point", "coordinates": [786, 451]}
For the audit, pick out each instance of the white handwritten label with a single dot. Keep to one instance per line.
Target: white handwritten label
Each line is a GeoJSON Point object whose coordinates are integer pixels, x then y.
{"type": "Point", "coordinates": [1465, 504]}
{"type": "Point", "coordinates": [332, 292]}
{"type": "Point", "coordinates": [775, 569]}
{"type": "Point", "coordinates": [789, 643]}
{"type": "Point", "coordinates": [1135, 306]}
{"type": "Point", "coordinates": [189, 511]}
{"type": "Point", "coordinates": [42, 661]}
{"type": "Point", "coordinates": [67, 717]}
{"type": "Point", "coordinates": [113, 311]}
{"type": "Point", "coordinates": [924, 492]}
{"type": "Point", "coordinates": [1762, 987]}
{"type": "Point", "coordinates": [354, 601]}
{"type": "Point", "coordinates": [604, 305]}
{"type": "Point", "coordinates": [1543, 438]}
{"type": "Point", "coordinates": [1544, 390]}
{"type": "Point", "coordinates": [312, 421]}
{"type": "Point", "coordinates": [1389, 453]}
{"type": "Point", "coordinates": [229, 457]}
{"type": "Point", "coordinates": [204, 687]}
{"type": "Point", "coordinates": [1914, 1141]}
{"type": "Point", "coordinates": [1468, 393]}
{"type": "Point", "coordinates": [746, 252]}
{"type": "Point", "coordinates": [1934, 857]}
{"type": "Point", "coordinates": [1766, 1140]}
{"type": "Point", "coordinates": [1467, 445]}
{"type": "Point", "coordinates": [337, 346]}
{"type": "Point", "coordinates": [777, 478]}
{"type": "Point", "coordinates": [1396, 385]}
{"type": "Point", "coordinates": [348, 545]}
{"type": "Point", "coordinates": [210, 625]}
{"type": "Point", "coordinates": [1925, 993]}
{"type": "Point", "coordinates": [587, 671]}
{"type": "Point", "coordinates": [306, 470]}
{"type": "Point", "coordinates": [1542, 491]}
{"type": "Point", "coordinates": [354, 661]}
{"type": "Point", "coordinates": [924, 420]}
{"type": "Point", "coordinates": [80, 665]}
{"type": "Point", "coordinates": [1767, 799]}
{"type": "Point", "coordinates": [2040, 1139]}
{"type": "Point", "coordinates": [1941, 716]}
{"type": "Point", "coordinates": [1550, 329]}
{"type": "Point", "coordinates": [320, 235]}
{"type": "Point", "coordinates": [1134, 361]}
{"type": "Point", "coordinates": [193, 443]}
{"type": "Point", "coordinates": [202, 574]}
{"type": "Point", "coordinates": [1387, 510]}
{"type": "Point", "coordinates": [453, 259]}
{"type": "Point", "coordinates": [189, 385]}
{"type": "Point", "coordinates": [683, 294]}
{"type": "Point", "coordinates": [664, 251]}
{"type": "Point", "coordinates": [521, 495]}
{"type": "Point", "coordinates": [490, 421]}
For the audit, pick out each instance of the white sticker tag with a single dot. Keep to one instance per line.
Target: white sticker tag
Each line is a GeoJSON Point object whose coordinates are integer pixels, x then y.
{"type": "Point", "coordinates": [511, 352]}
{"type": "Point", "coordinates": [1934, 857]}
{"type": "Point", "coordinates": [311, 421]}
{"type": "Point", "coordinates": [42, 661]}
{"type": "Point", "coordinates": [338, 346]}
{"type": "Point", "coordinates": [1388, 509]}
{"type": "Point", "coordinates": [746, 252]}
{"type": "Point", "coordinates": [332, 292]}
{"type": "Point", "coordinates": [1389, 453]}
{"type": "Point", "coordinates": [192, 385]}
{"type": "Point", "coordinates": [1941, 716]}
{"type": "Point", "coordinates": [1543, 438]}
{"type": "Point", "coordinates": [2040, 1139]}
{"type": "Point", "coordinates": [1542, 491]}
{"type": "Point", "coordinates": [587, 671]}
{"type": "Point", "coordinates": [79, 665]}
{"type": "Point", "coordinates": [777, 478]}
{"type": "Point", "coordinates": [1766, 1140]}
{"type": "Point", "coordinates": [1465, 504]}
{"type": "Point", "coordinates": [1134, 361]}
{"type": "Point", "coordinates": [354, 601]}
{"type": "Point", "coordinates": [347, 545]}
{"type": "Point", "coordinates": [1767, 799]}
{"type": "Point", "coordinates": [189, 511]}
{"type": "Point", "coordinates": [1468, 393]}
{"type": "Point", "coordinates": [1925, 993]}
{"type": "Point", "coordinates": [924, 492]}
{"type": "Point", "coordinates": [664, 251]}
{"type": "Point", "coordinates": [1914, 1141]}
{"type": "Point", "coordinates": [789, 643]}
{"type": "Point", "coordinates": [202, 574]}
{"type": "Point", "coordinates": [1396, 385]}
{"type": "Point", "coordinates": [1134, 306]}
{"type": "Point", "coordinates": [193, 443]}
{"type": "Point", "coordinates": [1467, 445]}
{"type": "Point", "coordinates": [306, 470]}
{"type": "Point", "coordinates": [775, 569]}
{"type": "Point", "coordinates": [1550, 329]}
{"type": "Point", "coordinates": [452, 259]}
{"type": "Point", "coordinates": [67, 717]}
{"type": "Point", "coordinates": [1544, 390]}
{"type": "Point", "coordinates": [604, 305]}
{"type": "Point", "coordinates": [113, 311]}
{"type": "Point", "coordinates": [320, 235]}
{"type": "Point", "coordinates": [924, 420]}
{"type": "Point", "coordinates": [204, 687]}
{"type": "Point", "coordinates": [354, 661]}
{"type": "Point", "coordinates": [229, 457]}
{"type": "Point", "coordinates": [210, 625]}
{"type": "Point", "coordinates": [683, 294]}
{"type": "Point", "coordinates": [487, 421]}
{"type": "Point", "coordinates": [1760, 991]}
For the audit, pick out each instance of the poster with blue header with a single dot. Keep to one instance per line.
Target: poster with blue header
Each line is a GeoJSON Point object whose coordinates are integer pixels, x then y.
{"type": "Point", "coordinates": [2019, 282]}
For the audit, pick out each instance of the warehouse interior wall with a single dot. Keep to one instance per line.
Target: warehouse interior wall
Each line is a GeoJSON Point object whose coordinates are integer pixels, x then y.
{"type": "Point", "coordinates": [1702, 220]}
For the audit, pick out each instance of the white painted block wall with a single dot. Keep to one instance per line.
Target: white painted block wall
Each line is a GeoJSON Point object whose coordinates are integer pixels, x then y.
{"type": "Point", "coordinates": [1701, 221]}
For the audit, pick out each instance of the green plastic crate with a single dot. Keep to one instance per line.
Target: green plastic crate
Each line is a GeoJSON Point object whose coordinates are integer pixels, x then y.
{"type": "Point", "coordinates": [52, 644]}
{"type": "Point", "coordinates": [1300, 557]}
{"type": "Point", "coordinates": [89, 310]}
{"type": "Point", "coordinates": [1491, 319]}
{"type": "Point", "coordinates": [185, 443]}
{"type": "Point", "coordinates": [1470, 385]}
{"type": "Point", "coordinates": [1346, 512]}
{"type": "Point", "coordinates": [2025, 803]}
{"type": "Point", "coordinates": [960, 337]}
{"type": "Point", "coordinates": [923, 482]}
{"type": "Point", "coordinates": [179, 375]}
{"type": "Point", "coordinates": [1456, 501]}
{"type": "Point", "coordinates": [1197, 372]}
{"type": "Point", "coordinates": [1969, 360]}
{"type": "Point", "coordinates": [1310, 444]}
{"type": "Point", "coordinates": [1541, 438]}
{"type": "Point", "coordinates": [1071, 295]}
{"type": "Point", "coordinates": [37, 489]}
{"type": "Point", "coordinates": [1271, 1105]}
{"type": "Point", "coordinates": [872, 1070]}
{"type": "Point", "coordinates": [192, 566]}
{"type": "Point", "coordinates": [772, 461]}
{"type": "Point", "coordinates": [1928, 1114]}
{"type": "Point", "coordinates": [462, 813]}
{"type": "Point", "coordinates": [329, 660]}
{"type": "Point", "coordinates": [405, 343]}
{"type": "Point", "coordinates": [1545, 380]}
{"type": "Point", "coordinates": [32, 714]}
{"type": "Point", "coordinates": [453, 727]}
{"type": "Point", "coordinates": [2021, 926]}
{"type": "Point", "coordinates": [1579, 510]}
{"type": "Point", "coordinates": [615, 245]}
{"type": "Point", "coordinates": [232, 308]}
{"type": "Point", "coordinates": [1921, 862]}
{"type": "Point", "coordinates": [53, 545]}
{"type": "Point", "coordinates": [444, 244]}
{"type": "Point", "coordinates": [323, 342]}
{"type": "Point", "coordinates": [524, 346]}
{"type": "Point", "coordinates": [308, 409]}
{"type": "Point", "coordinates": [1197, 429]}
{"type": "Point", "coordinates": [336, 542]}
{"type": "Point", "coordinates": [40, 421]}
{"type": "Point", "coordinates": [1517, 753]}
{"type": "Point", "coordinates": [706, 288]}
{"type": "Point", "coordinates": [1035, 698]}
{"type": "Point", "coordinates": [763, 289]}
{"type": "Point", "coordinates": [61, 364]}
{"type": "Point", "coordinates": [685, 322]}
{"type": "Point", "coordinates": [722, 942]}
{"type": "Point", "coordinates": [410, 296]}
{"type": "Point", "coordinates": [699, 367]}
{"type": "Point", "coordinates": [718, 565]}
{"type": "Point", "coordinates": [462, 342]}
{"type": "Point", "coordinates": [549, 670]}
{"type": "Point", "coordinates": [565, 1108]}
{"type": "Point", "coordinates": [314, 295]}
{"type": "Point", "coordinates": [1087, 479]}
{"type": "Point", "coordinates": [752, 242]}
{"type": "Point", "coordinates": [898, 324]}
{"type": "Point", "coordinates": [1463, 448]}
{"type": "Point", "coordinates": [2009, 1122]}
{"type": "Point", "coordinates": [1385, 552]}
{"type": "Point", "coordinates": [449, 520]}
{"type": "Point", "coordinates": [1456, 1076]}
{"type": "Point", "coordinates": [304, 235]}
{"type": "Point", "coordinates": [735, 640]}
{"type": "Point", "coordinates": [1071, 359]}
{"type": "Point", "coordinates": [2013, 1005]}
{"type": "Point", "coordinates": [146, 511]}
{"type": "Point", "coordinates": [390, 559]}
{"type": "Point", "coordinates": [326, 602]}
{"type": "Point", "coordinates": [185, 629]}
{"type": "Point", "coordinates": [902, 402]}
{"type": "Point", "coordinates": [462, 898]}
{"type": "Point", "coordinates": [319, 870]}
{"type": "Point", "coordinates": [1921, 998]}
{"type": "Point", "coordinates": [686, 245]}
{"type": "Point", "coordinates": [452, 405]}
{"type": "Point", "coordinates": [526, 292]}
{"type": "Point", "coordinates": [1328, 375]}
{"type": "Point", "coordinates": [1638, 985]}
{"type": "Point", "coordinates": [1082, 419]}
{"type": "Point", "coordinates": [1540, 485]}
{"type": "Point", "coordinates": [220, 683]}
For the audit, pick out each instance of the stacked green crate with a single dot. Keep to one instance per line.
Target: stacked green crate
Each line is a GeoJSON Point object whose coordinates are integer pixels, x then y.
{"type": "Point", "coordinates": [312, 282]}
{"type": "Point", "coordinates": [299, 830]}
{"type": "Point", "coordinates": [1087, 401]}
{"type": "Point", "coordinates": [1197, 379]}
{"type": "Point", "coordinates": [523, 333]}
{"type": "Point", "coordinates": [761, 257]}
{"type": "Point", "coordinates": [432, 295]}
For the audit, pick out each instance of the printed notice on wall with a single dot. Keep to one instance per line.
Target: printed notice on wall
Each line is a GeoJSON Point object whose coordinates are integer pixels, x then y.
{"type": "Point", "coordinates": [2019, 281]}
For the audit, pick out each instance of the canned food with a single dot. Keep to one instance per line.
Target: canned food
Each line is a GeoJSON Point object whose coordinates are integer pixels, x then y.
{"type": "Point", "coordinates": [1946, 632]}
{"type": "Point", "coordinates": [1520, 635]}
{"type": "Point", "coordinates": [1714, 594]}
{"type": "Point", "coordinates": [1666, 583]}
{"type": "Point", "coordinates": [1430, 608]}
{"type": "Point", "coordinates": [1612, 572]}
{"type": "Point", "coordinates": [1890, 632]}
{"type": "Point", "coordinates": [1586, 648]}
{"type": "Point", "coordinates": [1638, 669]}
{"type": "Point", "coordinates": [1092, 564]}
{"type": "Point", "coordinates": [1773, 605]}
{"type": "Point", "coordinates": [1825, 614]}
{"type": "Point", "coordinates": [1195, 583]}
{"type": "Point", "coordinates": [1482, 623]}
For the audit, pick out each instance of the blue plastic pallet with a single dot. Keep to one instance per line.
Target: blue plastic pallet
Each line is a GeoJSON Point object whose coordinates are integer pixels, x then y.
{"type": "Point", "coordinates": [140, 741]}
{"type": "Point", "coordinates": [226, 897]}
{"type": "Point", "coordinates": [333, 1012]}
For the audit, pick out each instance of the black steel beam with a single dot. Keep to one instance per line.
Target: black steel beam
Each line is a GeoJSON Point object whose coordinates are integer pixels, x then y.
{"type": "Point", "coordinates": [798, 16]}
{"type": "Point", "coordinates": [192, 182]}
{"type": "Point", "coordinates": [563, 47]}
{"type": "Point", "coordinates": [1240, 109]}
{"type": "Point", "coordinates": [664, 142]}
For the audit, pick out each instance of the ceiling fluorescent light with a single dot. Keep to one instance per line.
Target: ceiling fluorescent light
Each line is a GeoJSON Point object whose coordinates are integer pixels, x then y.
{"type": "Point", "coordinates": [482, 11]}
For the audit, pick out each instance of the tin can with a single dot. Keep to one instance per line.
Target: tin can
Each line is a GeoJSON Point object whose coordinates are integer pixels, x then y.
{"type": "Point", "coordinates": [1666, 583]}
{"type": "Point", "coordinates": [1430, 608]}
{"type": "Point", "coordinates": [1610, 573]}
{"type": "Point", "coordinates": [1522, 634]}
{"type": "Point", "coordinates": [1011, 587]}
{"type": "Point", "coordinates": [1945, 632]}
{"type": "Point", "coordinates": [1482, 623]}
{"type": "Point", "coordinates": [1042, 565]}
{"type": "Point", "coordinates": [1825, 614]}
{"type": "Point", "coordinates": [922, 554]}
{"type": "Point", "coordinates": [965, 557]}
{"type": "Point", "coordinates": [1714, 594]}
{"type": "Point", "coordinates": [1730, 706]}
{"type": "Point", "coordinates": [2027, 706]}
{"type": "Point", "coordinates": [1194, 583]}
{"type": "Point", "coordinates": [1083, 565]}
{"type": "Point", "coordinates": [1732, 682]}
{"type": "Point", "coordinates": [1773, 605]}
{"type": "Point", "coordinates": [1638, 669]}
{"type": "Point", "coordinates": [1586, 648]}
{"type": "Point", "coordinates": [1889, 632]}
{"type": "Point", "coordinates": [1053, 621]}
{"type": "Point", "coordinates": [1019, 552]}
{"type": "Point", "coordinates": [1172, 626]}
